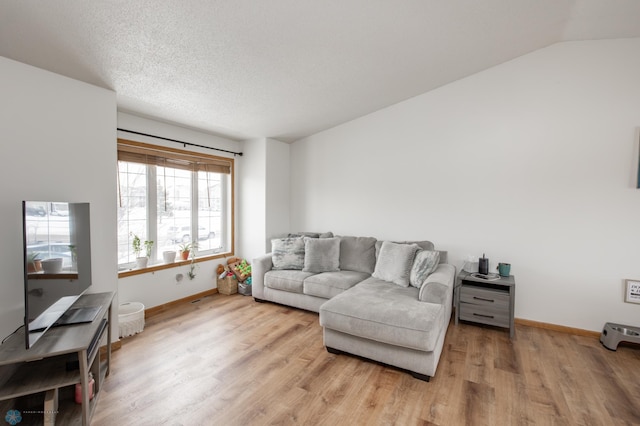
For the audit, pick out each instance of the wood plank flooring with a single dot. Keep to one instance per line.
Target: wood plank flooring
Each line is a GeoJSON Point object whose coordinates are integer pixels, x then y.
{"type": "Point", "coordinates": [227, 360]}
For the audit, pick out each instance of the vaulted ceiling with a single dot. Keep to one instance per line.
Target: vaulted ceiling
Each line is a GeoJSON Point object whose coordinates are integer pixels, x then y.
{"type": "Point", "coordinates": [288, 68]}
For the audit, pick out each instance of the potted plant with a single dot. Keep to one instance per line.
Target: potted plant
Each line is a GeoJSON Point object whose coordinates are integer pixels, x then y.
{"type": "Point", "coordinates": [33, 263]}
{"type": "Point", "coordinates": [141, 261]}
{"type": "Point", "coordinates": [185, 250]}
{"type": "Point", "coordinates": [136, 245]}
{"type": "Point", "coordinates": [74, 253]}
{"type": "Point", "coordinates": [148, 245]}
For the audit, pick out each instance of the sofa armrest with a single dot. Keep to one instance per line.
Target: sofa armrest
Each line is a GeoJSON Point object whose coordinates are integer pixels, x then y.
{"type": "Point", "coordinates": [438, 287]}
{"type": "Point", "coordinates": [261, 265]}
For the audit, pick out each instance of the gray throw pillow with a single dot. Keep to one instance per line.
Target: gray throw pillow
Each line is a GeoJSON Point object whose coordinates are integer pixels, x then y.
{"type": "Point", "coordinates": [321, 255]}
{"type": "Point", "coordinates": [311, 234]}
{"type": "Point", "coordinates": [424, 264]}
{"type": "Point", "coordinates": [423, 245]}
{"type": "Point", "coordinates": [287, 253]}
{"type": "Point", "coordinates": [358, 254]}
{"type": "Point", "coordinates": [304, 234]}
{"type": "Point", "coordinates": [394, 262]}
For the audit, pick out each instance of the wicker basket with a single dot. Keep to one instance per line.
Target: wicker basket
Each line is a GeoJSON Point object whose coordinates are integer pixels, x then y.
{"type": "Point", "coordinates": [228, 285]}
{"type": "Point", "coordinates": [130, 318]}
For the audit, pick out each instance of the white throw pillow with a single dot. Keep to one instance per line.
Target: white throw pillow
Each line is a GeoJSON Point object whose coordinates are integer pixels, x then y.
{"type": "Point", "coordinates": [394, 262]}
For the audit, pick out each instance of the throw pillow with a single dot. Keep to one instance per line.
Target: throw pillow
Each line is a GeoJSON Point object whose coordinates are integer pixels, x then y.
{"type": "Point", "coordinates": [358, 254]}
{"type": "Point", "coordinates": [321, 255]}
{"type": "Point", "coordinates": [394, 262]}
{"type": "Point", "coordinates": [424, 264]}
{"type": "Point", "coordinates": [312, 234]}
{"type": "Point", "coordinates": [287, 253]}
{"type": "Point", "coordinates": [304, 234]}
{"type": "Point", "coordinates": [422, 245]}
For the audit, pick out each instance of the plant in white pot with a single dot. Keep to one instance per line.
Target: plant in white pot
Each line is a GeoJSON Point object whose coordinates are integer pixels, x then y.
{"type": "Point", "coordinates": [148, 246]}
{"type": "Point", "coordinates": [141, 261]}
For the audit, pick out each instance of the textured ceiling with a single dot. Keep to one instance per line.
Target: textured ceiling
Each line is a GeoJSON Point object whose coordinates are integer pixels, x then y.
{"type": "Point", "coordinates": [288, 68]}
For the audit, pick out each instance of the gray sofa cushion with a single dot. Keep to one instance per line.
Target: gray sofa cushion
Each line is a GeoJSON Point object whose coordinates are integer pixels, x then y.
{"type": "Point", "coordinates": [311, 234]}
{"type": "Point", "coordinates": [425, 262]}
{"type": "Point", "coordinates": [330, 284]}
{"type": "Point", "coordinates": [287, 253]}
{"type": "Point", "coordinates": [394, 262]}
{"type": "Point", "coordinates": [424, 245]}
{"type": "Point", "coordinates": [304, 234]}
{"type": "Point", "coordinates": [358, 254]}
{"type": "Point", "coordinates": [381, 311]}
{"type": "Point", "coordinates": [290, 281]}
{"type": "Point", "coordinates": [321, 254]}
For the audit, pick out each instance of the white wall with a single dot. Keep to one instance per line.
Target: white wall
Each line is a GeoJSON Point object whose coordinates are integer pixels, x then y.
{"type": "Point", "coordinates": [58, 144]}
{"type": "Point", "coordinates": [252, 209]}
{"type": "Point", "coordinates": [278, 177]}
{"type": "Point", "coordinates": [532, 162]}
{"type": "Point", "coordinates": [264, 198]}
{"type": "Point", "coordinates": [160, 287]}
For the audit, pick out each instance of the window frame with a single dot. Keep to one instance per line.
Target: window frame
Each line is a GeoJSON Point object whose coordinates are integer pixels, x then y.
{"type": "Point", "coordinates": [200, 162]}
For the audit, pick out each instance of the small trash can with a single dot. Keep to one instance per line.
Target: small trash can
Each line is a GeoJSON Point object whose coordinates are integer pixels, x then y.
{"type": "Point", "coordinates": [130, 318]}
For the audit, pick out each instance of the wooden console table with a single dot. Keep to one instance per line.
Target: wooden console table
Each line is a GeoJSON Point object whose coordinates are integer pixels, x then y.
{"type": "Point", "coordinates": [32, 379]}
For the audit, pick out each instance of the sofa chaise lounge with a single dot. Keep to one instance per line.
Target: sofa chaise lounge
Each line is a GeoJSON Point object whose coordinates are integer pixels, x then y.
{"type": "Point", "coordinates": [386, 301]}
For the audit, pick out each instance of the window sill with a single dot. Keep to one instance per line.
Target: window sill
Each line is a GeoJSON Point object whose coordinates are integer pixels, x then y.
{"type": "Point", "coordinates": [162, 266]}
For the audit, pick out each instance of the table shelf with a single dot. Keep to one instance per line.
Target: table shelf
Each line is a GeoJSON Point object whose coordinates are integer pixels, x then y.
{"type": "Point", "coordinates": [57, 362]}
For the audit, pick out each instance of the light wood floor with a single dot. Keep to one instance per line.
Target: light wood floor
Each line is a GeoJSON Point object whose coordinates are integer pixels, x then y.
{"type": "Point", "coordinates": [227, 360]}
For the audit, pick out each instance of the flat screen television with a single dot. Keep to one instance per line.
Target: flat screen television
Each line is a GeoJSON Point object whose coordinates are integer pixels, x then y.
{"type": "Point", "coordinates": [57, 265]}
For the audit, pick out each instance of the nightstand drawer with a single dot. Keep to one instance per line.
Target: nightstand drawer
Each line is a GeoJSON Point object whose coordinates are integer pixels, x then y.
{"type": "Point", "coordinates": [485, 297]}
{"type": "Point", "coordinates": [484, 314]}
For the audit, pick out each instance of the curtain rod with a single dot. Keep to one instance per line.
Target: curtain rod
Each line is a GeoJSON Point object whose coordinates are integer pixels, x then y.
{"type": "Point", "coordinates": [180, 142]}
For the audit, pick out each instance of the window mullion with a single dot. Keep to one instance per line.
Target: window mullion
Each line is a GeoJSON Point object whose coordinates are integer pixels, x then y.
{"type": "Point", "coordinates": [152, 209]}
{"type": "Point", "coordinates": [194, 206]}
{"type": "Point", "coordinates": [224, 205]}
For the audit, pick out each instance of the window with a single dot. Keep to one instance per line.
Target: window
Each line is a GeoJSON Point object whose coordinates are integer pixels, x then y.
{"type": "Point", "coordinates": [173, 198]}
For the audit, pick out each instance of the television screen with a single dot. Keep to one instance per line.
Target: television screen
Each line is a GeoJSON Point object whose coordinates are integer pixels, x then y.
{"type": "Point", "coordinates": [57, 264]}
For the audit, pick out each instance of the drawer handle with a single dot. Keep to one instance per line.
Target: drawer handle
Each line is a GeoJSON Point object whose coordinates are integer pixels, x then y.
{"type": "Point", "coordinates": [484, 316]}
{"type": "Point", "coordinates": [483, 299]}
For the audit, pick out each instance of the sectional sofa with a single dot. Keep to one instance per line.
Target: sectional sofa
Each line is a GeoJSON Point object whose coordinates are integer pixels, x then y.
{"type": "Point", "coordinates": [385, 301]}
